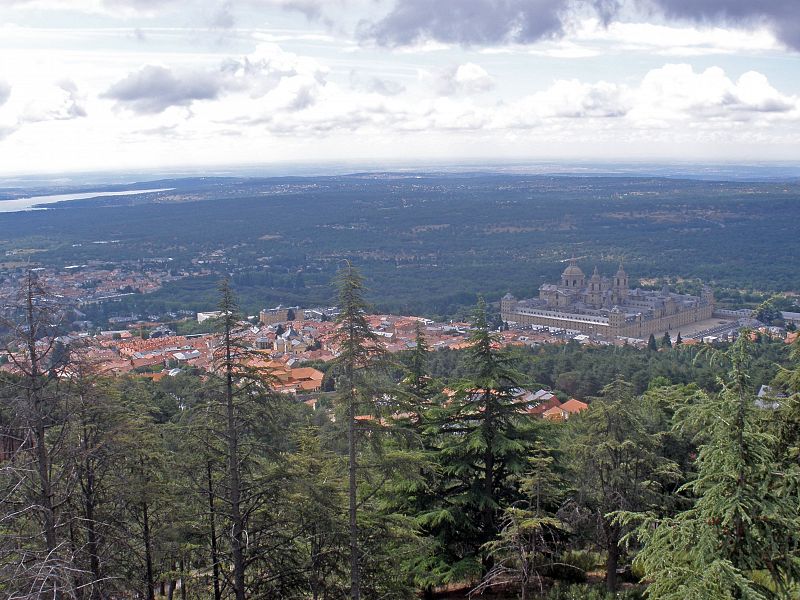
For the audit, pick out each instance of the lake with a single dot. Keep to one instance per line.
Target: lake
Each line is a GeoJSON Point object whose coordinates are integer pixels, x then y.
{"type": "Point", "coordinates": [35, 202]}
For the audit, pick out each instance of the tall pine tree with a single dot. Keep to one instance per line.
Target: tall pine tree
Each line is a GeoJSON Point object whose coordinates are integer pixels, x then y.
{"type": "Point", "coordinates": [484, 437]}
{"type": "Point", "coordinates": [358, 349]}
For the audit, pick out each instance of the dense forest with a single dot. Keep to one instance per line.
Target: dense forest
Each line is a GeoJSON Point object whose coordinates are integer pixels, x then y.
{"type": "Point", "coordinates": [455, 236]}
{"type": "Point", "coordinates": [421, 474]}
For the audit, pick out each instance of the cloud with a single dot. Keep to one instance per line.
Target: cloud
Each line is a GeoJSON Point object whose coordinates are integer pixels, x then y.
{"type": "Point", "coordinates": [61, 102]}
{"type": "Point", "coordinates": [501, 22]}
{"type": "Point", "coordinates": [782, 16]}
{"type": "Point", "coordinates": [223, 18]}
{"type": "Point", "coordinates": [5, 92]}
{"type": "Point", "coordinates": [7, 130]}
{"type": "Point", "coordinates": [154, 88]}
{"type": "Point", "coordinates": [467, 22]}
{"type": "Point", "coordinates": [375, 85]}
{"type": "Point", "coordinates": [574, 99]}
{"type": "Point", "coordinates": [467, 79]}
{"type": "Point", "coordinates": [677, 92]}
{"type": "Point", "coordinates": [672, 97]}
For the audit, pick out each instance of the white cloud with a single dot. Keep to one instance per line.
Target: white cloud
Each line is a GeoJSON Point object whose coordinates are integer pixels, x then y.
{"type": "Point", "coordinates": [672, 39]}
{"type": "Point", "coordinates": [184, 94]}
{"type": "Point", "coordinates": [466, 79]}
{"type": "Point", "coordinates": [42, 102]}
{"type": "Point", "coordinates": [574, 99]}
{"type": "Point", "coordinates": [677, 92]}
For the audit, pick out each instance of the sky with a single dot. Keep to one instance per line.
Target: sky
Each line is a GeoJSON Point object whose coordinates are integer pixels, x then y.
{"type": "Point", "coordinates": [92, 85]}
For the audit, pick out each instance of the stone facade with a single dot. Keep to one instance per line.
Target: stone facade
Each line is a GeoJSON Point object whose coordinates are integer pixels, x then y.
{"type": "Point", "coordinates": [270, 316]}
{"type": "Point", "coordinates": [607, 307]}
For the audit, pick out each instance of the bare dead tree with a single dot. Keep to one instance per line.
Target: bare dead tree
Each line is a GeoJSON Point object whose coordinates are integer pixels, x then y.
{"type": "Point", "coordinates": [35, 555]}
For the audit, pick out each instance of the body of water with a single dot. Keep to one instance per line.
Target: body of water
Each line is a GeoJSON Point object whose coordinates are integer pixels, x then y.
{"type": "Point", "coordinates": [36, 202]}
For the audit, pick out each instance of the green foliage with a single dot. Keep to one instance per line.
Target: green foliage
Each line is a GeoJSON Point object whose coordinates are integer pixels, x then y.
{"type": "Point", "coordinates": [588, 592]}
{"type": "Point", "coordinates": [481, 437]}
{"type": "Point", "coordinates": [617, 464]}
{"type": "Point", "coordinates": [767, 312]}
{"type": "Point", "coordinates": [454, 236]}
{"type": "Point", "coordinates": [744, 519]}
{"type": "Point", "coordinates": [666, 341]}
{"type": "Point", "coordinates": [651, 343]}
{"type": "Point", "coordinates": [531, 534]}
{"type": "Point", "coordinates": [463, 487]}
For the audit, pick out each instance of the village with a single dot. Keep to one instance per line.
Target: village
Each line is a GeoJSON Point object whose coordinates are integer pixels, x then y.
{"type": "Point", "coordinates": [292, 345]}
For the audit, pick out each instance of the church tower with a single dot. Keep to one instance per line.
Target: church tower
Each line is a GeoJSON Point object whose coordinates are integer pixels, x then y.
{"type": "Point", "coordinates": [619, 290]}
{"type": "Point", "coordinates": [595, 296]}
{"type": "Point", "coordinates": [616, 320]}
{"type": "Point", "coordinates": [708, 295]}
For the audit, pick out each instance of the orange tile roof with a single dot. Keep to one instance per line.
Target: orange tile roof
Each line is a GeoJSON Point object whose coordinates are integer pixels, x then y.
{"type": "Point", "coordinates": [541, 408]}
{"type": "Point", "coordinates": [574, 406]}
{"type": "Point", "coordinates": [554, 414]}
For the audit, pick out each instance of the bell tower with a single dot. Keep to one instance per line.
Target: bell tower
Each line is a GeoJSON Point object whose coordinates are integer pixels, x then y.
{"type": "Point", "coordinates": [620, 286]}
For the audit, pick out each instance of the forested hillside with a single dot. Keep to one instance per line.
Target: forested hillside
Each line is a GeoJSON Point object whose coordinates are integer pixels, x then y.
{"type": "Point", "coordinates": [454, 236]}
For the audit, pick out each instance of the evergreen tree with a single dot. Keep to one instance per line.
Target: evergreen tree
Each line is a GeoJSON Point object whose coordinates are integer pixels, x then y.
{"type": "Point", "coordinates": [241, 408]}
{"type": "Point", "coordinates": [767, 312]}
{"type": "Point", "coordinates": [484, 438]}
{"type": "Point", "coordinates": [651, 343]}
{"type": "Point", "coordinates": [739, 539]}
{"type": "Point", "coordinates": [531, 534]}
{"type": "Point", "coordinates": [228, 362]}
{"type": "Point", "coordinates": [666, 341]}
{"type": "Point", "coordinates": [679, 339]}
{"type": "Point", "coordinates": [317, 505]}
{"type": "Point", "coordinates": [100, 427]}
{"type": "Point", "coordinates": [616, 465]}
{"type": "Point", "coordinates": [359, 348]}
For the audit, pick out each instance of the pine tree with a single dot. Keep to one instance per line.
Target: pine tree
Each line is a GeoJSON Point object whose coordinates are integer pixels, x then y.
{"type": "Point", "coordinates": [742, 528]}
{"type": "Point", "coordinates": [651, 343]}
{"type": "Point", "coordinates": [484, 437]}
{"type": "Point", "coordinates": [531, 533]}
{"type": "Point", "coordinates": [241, 400]}
{"type": "Point", "coordinates": [317, 500]}
{"type": "Point", "coordinates": [616, 465]}
{"type": "Point", "coordinates": [359, 348]}
{"type": "Point", "coordinates": [100, 422]}
{"type": "Point", "coordinates": [679, 339]}
{"type": "Point", "coordinates": [666, 341]}
{"type": "Point", "coordinates": [228, 365]}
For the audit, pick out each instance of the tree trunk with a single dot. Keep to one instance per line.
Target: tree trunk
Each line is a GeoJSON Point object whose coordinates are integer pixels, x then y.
{"type": "Point", "coordinates": [237, 536]}
{"type": "Point", "coordinates": [355, 583]}
{"type": "Point", "coordinates": [488, 481]}
{"type": "Point", "coordinates": [213, 533]}
{"type": "Point", "coordinates": [91, 532]}
{"type": "Point", "coordinates": [148, 553]}
{"type": "Point", "coordinates": [184, 578]}
{"type": "Point", "coordinates": [314, 574]}
{"type": "Point", "coordinates": [36, 402]}
{"type": "Point", "coordinates": [612, 547]}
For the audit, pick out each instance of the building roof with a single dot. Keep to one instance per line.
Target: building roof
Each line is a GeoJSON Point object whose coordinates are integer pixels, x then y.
{"type": "Point", "coordinates": [573, 270]}
{"type": "Point", "coordinates": [574, 406]}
